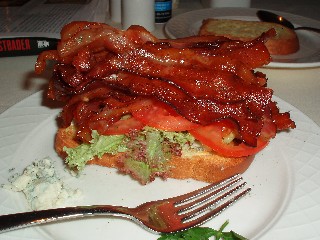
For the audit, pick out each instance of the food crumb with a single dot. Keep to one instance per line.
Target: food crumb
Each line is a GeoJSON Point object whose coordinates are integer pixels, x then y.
{"type": "Point", "coordinates": [41, 186]}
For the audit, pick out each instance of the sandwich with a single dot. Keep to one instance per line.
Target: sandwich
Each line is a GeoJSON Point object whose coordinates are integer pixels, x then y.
{"type": "Point", "coordinates": [181, 108]}
{"type": "Point", "coordinates": [284, 42]}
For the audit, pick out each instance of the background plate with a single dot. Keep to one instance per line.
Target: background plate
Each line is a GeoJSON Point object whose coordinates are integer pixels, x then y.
{"type": "Point", "coordinates": [188, 24]}
{"type": "Point", "coordinates": [291, 161]}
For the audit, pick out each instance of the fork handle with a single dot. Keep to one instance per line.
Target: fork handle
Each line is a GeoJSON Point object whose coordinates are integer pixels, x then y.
{"type": "Point", "coordinates": [20, 220]}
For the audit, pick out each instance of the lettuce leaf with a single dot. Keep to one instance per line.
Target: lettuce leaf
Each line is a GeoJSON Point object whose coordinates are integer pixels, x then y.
{"type": "Point", "coordinates": [203, 233]}
{"type": "Point", "coordinates": [146, 156]}
{"type": "Point", "coordinates": [99, 145]}
{"type": "Point", "coordinates": [146, 151]}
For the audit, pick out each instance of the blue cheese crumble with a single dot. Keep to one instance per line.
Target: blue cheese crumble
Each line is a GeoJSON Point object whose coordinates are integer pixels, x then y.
{"type": "Point", "coordinates": [41, 186]}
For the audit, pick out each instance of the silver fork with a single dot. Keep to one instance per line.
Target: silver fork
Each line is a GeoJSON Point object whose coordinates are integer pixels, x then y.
{"type": "Point", "coordinates": [168, 215]}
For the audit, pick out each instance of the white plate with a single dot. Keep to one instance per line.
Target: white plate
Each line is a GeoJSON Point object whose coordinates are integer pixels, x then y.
{"type": "Point", "coordinates": [291, 161]}
{"type": "Point", "coordinates": [188, 24]}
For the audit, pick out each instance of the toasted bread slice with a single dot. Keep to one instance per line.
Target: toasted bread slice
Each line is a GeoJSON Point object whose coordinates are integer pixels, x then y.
{"type": "Point", "coordinates": [204, 166]}
{"type": "Point", "coordinates": [285, 41]}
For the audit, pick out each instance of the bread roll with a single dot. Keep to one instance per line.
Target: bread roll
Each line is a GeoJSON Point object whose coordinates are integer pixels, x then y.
{"type": "Point", "coordinates": [285, 41]}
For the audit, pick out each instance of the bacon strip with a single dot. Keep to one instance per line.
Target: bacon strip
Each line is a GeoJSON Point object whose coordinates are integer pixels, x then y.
{"type": "Point", "coordinates": [204, 79]}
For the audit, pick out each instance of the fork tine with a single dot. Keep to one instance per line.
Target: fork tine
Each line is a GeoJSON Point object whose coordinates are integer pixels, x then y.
{"type": "Point", "coordinates": [215, 202]}
{"type": "Point", "coordinates": [201, 191]}
{"type": "Point", "coordinates": [215, 212]}
{"type": "Point", "coordinates": [194, 201]}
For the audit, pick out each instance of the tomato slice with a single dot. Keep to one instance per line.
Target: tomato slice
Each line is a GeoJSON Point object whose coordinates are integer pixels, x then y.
{"type": "Point", "coordinates": [159, 115]}
{"type": "Point", "coordinates": [215, 135]}
{"type": "Point", "coordinates": [118, 120]}
{"type": "Point", "coordinates": [122, 126]}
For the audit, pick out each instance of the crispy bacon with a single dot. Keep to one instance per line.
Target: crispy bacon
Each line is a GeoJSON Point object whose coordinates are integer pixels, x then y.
{"type": "Point", "coordinates": [162, 62]}
{"type": "Point", "coordinates": [104, 73]}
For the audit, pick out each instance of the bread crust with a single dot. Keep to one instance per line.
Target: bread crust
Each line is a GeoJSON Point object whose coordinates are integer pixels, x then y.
{"type": "Point", "coordinates": [207, 168]}
{"type": "Point", "coordinates": [285, 41]}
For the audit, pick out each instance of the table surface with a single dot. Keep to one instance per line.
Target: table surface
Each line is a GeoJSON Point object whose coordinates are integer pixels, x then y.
{"type": "Point", "coordinates": [299, 87]}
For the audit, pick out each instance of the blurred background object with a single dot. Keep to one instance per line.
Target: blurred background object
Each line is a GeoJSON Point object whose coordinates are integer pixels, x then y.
{"type": "Point", "coordinates": [115, 10]}
{"type": "Point", "coordinates": [163, 10]}
{"type": "Point", "coordinates": [226, 3]}
{"type": "Point", "coordinates": [138, 12]}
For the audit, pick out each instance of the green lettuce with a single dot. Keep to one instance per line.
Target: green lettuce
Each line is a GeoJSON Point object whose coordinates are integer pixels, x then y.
{"type": "Point", "coordinates": [99, 145]}
{"type": "Point", "coordinates": [146, 151]}
{"type": "Point", "coordinates": [203, 233]}
{"type": "Point", "coordinates": [150, 150]}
